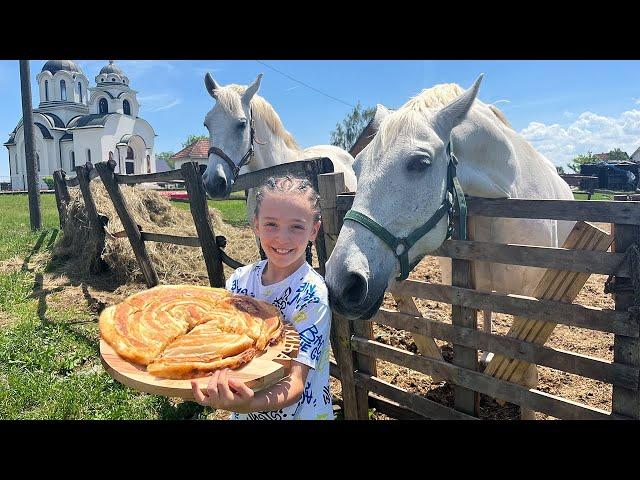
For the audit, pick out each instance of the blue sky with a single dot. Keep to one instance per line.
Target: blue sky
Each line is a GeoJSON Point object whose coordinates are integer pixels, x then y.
{"type": "Point", "coordinates": [564, 108]}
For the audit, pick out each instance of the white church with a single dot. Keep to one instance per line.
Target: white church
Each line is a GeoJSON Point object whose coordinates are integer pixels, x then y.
{"type": "Point", "coordinates": [75, 123]}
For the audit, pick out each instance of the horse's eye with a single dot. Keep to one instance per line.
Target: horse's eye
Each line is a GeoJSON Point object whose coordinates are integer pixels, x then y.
{"type": "Point", "coordinates": [242, 124]}
{"type": "Point", "coordinates": [418, 163]}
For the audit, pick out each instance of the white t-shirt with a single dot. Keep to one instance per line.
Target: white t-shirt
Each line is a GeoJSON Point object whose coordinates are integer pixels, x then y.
{"type": "Point", "coordinates": [302, 298]}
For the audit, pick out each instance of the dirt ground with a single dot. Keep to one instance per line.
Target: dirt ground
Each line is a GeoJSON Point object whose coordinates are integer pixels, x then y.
{"type": "Point", "coordinates": [62, 286]}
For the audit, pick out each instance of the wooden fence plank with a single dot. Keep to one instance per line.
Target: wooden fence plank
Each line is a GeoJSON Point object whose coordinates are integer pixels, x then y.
{"type": "Point", "coordinates": [625, 349]}
{"type": "Point", "coordinates": [105, 170]}
{"type": "Point", "coordinates": [423, 406]}
{"type": "Point", "coordinates": [593, 318]}
{"type": "Point", "coordinates": [510, 392]}
{"type": "Point", "coordinates": [544, 257]}
{"type": "Point", "coordinates": [554, 285]}
{"type": "Point", "coordinates": [600, 211]}
{"type": "Point", "coordinates": [62, 196]}
{"type": "Point", "coordinates": [204, 227]}
{"type": "Point", "coordinates": [467, 401]}
{"type": "Point", "coordinates": [168, 176]}
{"type": "Point", "coordinates": [426, 344]}
{"type": "Point", "coordinates": [591, 367]}
{"type": "Point", "coordinates": [96, 264]}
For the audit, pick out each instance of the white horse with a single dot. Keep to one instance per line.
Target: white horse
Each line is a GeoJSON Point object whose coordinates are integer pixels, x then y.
{"type": "Point", "coordinates": [402, 181]}
{"type": "Point", "coordinates": [246, 134]}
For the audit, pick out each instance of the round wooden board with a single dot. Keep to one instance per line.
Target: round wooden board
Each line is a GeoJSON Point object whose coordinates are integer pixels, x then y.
{"type": "Point", "coordinates": [262, 371]}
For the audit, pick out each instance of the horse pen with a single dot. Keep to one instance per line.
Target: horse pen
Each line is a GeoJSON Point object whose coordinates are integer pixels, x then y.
{"type": "Point", "coordinates": [363, 357]}
{"type": "Point", "coordinates": [535, 318]}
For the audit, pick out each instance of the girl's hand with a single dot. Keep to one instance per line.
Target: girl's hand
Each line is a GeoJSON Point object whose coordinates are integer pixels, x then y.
{"type": "Point", "coordinates": [224, 393]}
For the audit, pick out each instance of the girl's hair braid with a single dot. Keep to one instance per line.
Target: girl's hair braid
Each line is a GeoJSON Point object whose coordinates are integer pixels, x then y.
{"type": "Point", "coordinates": [290, 184]}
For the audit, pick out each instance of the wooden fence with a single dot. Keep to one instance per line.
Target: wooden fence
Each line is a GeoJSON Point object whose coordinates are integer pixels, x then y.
{"type": "Point", "coordinates": [191, 173]}
{"type": "Point", "coordinates": [356, 351]}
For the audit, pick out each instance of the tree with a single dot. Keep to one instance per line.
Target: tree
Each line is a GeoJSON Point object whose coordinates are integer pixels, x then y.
{"type": "Point", "coordinates": [560, 170]}
{"type": "Point", "coordinates": [581, 160]}
{"type": "Point", "coordinates": [347, 133]}
{"type": "Point", "coordinates": [618, 154]}
{"type": "Point", "coordinates": [192, 139]}
{"type": "Point", "coordinates": [166, 156]}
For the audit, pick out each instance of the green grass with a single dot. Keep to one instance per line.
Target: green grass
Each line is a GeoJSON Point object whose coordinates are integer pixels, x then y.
{"type": "Point", "coordinates": [49, 362]}
{"type": "Point", "coordinates": [233, 212]}
{"type": "Point", "coordinates": [595, 196]}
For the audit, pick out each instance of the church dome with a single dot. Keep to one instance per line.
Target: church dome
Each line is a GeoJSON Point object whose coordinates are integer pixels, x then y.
{"type": "Point", "coordinates": [54, 66]}
{"type": "Point", "coordinates": [111, 68]}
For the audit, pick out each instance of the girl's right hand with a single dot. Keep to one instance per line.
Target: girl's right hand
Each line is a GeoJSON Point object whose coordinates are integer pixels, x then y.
{"type": "Point", "coordinates": [224, 393]}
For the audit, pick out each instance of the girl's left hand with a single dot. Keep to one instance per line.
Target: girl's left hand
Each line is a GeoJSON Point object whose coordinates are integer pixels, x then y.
{"type": "Point", "coordinates": [224, 393]}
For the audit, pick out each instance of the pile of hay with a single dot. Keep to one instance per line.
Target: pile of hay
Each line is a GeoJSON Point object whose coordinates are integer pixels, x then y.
{"type": "Point", "coordinates": [154, 213]}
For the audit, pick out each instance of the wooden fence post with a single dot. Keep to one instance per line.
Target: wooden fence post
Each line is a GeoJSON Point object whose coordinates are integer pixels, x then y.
{"type": "Point", "coordinates": [96, 265]}
{"type": "Point", "coordinates": [200, 212]}
{"type": "Point", "coordinates": [465, 400]}
{"type": "Point", "coordinates": [62, 196]}
{"type": "Point", "coordinates": [313, 170]}
{"type": "Point", "coordinates": [106, 172]}
{"type": "Point", "coordinates": [626, 349]}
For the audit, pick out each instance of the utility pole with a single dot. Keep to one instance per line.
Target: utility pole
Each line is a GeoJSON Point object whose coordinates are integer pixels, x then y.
{"type": "Point", "coordinates": [33, 186]}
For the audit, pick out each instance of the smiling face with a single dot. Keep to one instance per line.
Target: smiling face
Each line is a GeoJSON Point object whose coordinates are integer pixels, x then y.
{"type": "Point", "coordinates": [285, 224]}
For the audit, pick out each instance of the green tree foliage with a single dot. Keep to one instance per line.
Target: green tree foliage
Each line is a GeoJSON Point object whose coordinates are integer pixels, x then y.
{"type": "Point", "coordinates": [347, 132]}
{"type": "Point", "coordinates": [192, 139]}
{"type": "Point", "coordinates": [618, 154]}
{"type": "Point", "coordinates": [166, 156]}
{"type": "Point", "coordinates": [581, 160]}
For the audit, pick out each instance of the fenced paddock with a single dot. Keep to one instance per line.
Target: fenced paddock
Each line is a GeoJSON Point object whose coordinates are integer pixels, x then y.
{"type": "Point", "coordinates": [356, 351]}
{"type": "Point", "coordinates": [191, 174]}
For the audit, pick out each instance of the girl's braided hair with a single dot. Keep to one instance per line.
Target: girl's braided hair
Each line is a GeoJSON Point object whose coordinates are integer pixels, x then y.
{"type": "Point", "coordinates": [289, 184]}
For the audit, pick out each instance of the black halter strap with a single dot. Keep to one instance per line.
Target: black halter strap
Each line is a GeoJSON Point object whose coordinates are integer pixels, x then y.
{"type": "Point", "coordinates": [235, 169]}
{"type": "Point", "coordinates": [454, 202]}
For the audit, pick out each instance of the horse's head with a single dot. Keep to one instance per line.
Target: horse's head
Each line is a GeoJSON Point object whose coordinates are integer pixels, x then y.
{"type": "Point", "coordinates": [402, 183]}
{"type": "Point", "coordinates": [231, 134]}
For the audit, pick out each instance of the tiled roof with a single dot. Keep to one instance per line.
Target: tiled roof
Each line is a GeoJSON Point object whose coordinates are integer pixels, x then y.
{"type": "Point", "coordinates": [197, 149]}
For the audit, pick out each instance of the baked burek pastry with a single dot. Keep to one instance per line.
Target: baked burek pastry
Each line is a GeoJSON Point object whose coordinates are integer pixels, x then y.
{"type": "Point", "coordinates": [182, 331]}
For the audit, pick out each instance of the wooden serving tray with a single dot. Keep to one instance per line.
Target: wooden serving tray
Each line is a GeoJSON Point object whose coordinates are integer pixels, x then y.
{"type": "Point", "coordinates": [265, 369]}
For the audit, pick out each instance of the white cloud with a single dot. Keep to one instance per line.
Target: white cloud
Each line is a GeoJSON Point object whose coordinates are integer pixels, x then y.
{"type": "Point", "coordinates": [568, 114]}
{"type": "Point", "coordinates": [157, 102]}
{"type": "Point", "coordinates": [588, 132]}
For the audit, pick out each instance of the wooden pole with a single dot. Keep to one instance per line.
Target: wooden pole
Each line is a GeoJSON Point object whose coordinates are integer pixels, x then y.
{"type": "Point", "coordinates": [626, 349]}
{"type": "Point", "coordinates": [33, 186]}
{"type": "Point", "coordinates": [465, 400]}
{"type": "Point", "coordinates": [106, 172]}
{"type": "Point", "coordinates": [200, 211]}
{"type": "Point", "coordinates": [62, 196]}
{"type": "Point", "coordinates": [97, 265]}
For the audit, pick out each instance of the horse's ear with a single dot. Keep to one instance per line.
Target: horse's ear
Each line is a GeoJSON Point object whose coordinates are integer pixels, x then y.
{"type": "Point", "coordinates": [252, 90]}
{"type": "Point", "coordinates": [211, 85]}
{"type": "Point", "coordinates": [382, 112]}
{"type": "Point", "coordinates": [452, 114]}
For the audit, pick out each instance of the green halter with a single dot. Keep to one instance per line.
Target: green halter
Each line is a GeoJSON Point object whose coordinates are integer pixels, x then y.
{"type": "Point", "coordinates": [400, 246]}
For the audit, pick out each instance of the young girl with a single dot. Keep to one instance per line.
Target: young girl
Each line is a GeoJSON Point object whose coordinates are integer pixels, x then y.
{"type": "Point", "coordinates": [287, 218]}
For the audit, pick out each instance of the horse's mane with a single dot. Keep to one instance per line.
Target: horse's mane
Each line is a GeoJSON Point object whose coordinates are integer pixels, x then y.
{"type": "Point", "coordinates": [429, 100]}
{"type": "Point", "coordinates": [229, 98]}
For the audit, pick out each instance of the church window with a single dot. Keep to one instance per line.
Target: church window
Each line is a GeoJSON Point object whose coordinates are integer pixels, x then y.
{"type": "Point", "coordinates": [73, 160]}
{"type": "Point", "coordinates": [103, 107]}
{"type": "Point", "coordinates": [46, 90]}
{"type": "Point", "coordinates": [88, 155]}
{"type": "Point", "coordinates": [63, 90]}
{"type": "Point", "coordinates": [126, 107]}
{"type": "Point", "coordinates": [80, 91]}
{"type": "Point", "coordinates": [129, 153]}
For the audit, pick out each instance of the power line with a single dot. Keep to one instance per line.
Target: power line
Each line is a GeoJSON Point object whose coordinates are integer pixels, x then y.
{"type": "Point", "coordinates": [306, 85]}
